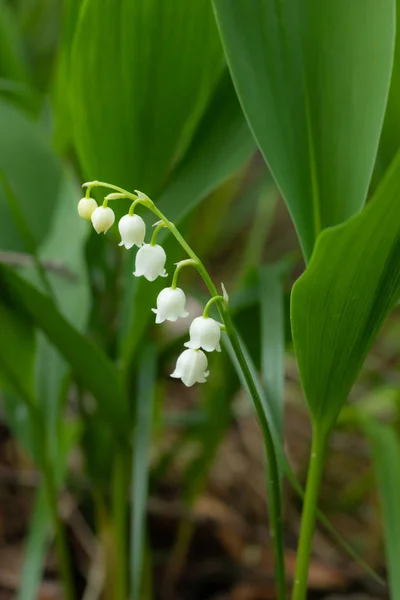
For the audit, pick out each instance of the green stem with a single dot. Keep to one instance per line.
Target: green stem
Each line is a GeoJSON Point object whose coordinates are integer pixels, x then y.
{"type": "Point", "coordinates": [153, 241]}
{"type": "Point", "coordinates": [210, 303]}
{"type": "Point", "coordinates": [275, 501]}
{"type": "Point", "coordinates": [310, 507]}
{"type": "Point", "coordinates": [274, 488]}
{"type": "Point", "coordinates": [120, 528]}
{"type": "Point", "coordinates": [179, 266]}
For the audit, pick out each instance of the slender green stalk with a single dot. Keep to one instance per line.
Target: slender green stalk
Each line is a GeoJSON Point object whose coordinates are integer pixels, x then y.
{"type": "Point", "coordinates": [179, 266]}
{"type": "Point", "coordinates": [120, 527]}
{"type": "Point", "coordinates": [310, 508]}
{"type": "Point", "coordinates": [209, 304]}
{"type": "Point", "coordinates": [275, 501]}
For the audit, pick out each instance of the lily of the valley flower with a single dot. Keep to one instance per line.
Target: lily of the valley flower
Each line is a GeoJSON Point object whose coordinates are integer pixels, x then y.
{"type": "Point", "coordinates": [103, 218]}
{"type": "Point", "coordinates": [204, 333]}
{"type": "Point", "coordinates": [132, 229]}
{"type": "Point", "coordinates": [86, 207]}
{"type": "Point", "coordinates": [191, 367]}
{"type": "Point", "coordinates": [150, 262]}
{"type": "Point", "coordinates": [170, 305]}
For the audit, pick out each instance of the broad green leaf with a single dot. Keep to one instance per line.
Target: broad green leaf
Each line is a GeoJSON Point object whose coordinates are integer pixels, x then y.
{"type": "Point", "coordinates": [135, 100]}
{"type": "Point", "coordinates": [33, 173]}
{"type": "Point", "coordinates": [95, 372]}
{"type": "Point", "coordinates": [313, 79]}
{"type": "Point", "coordinates": [273, 339]}
{"type": "Point", "coordinates": [36, 548]}
{"type": "Point", "coordinates": [386, 456]}
{"type": "Point", "coordinates": [340, 302]}
{"type": "Point", "coordinates": [140, 464]}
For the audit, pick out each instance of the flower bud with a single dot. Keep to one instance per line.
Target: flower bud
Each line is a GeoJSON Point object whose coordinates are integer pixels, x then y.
{"type": "Point", "coordinates": [204, 333]}
{"type": "Point", "coordinates": [150, 262]}
{"type": "Point", "coordinates": [86, 207]}
{"type": "Point", "coordinates": [191, 367]}
{"type": "Point", "coordinates": [170, 305]}
{"type": "Point", "coordinates": [132, 229]}
{"type": "Point", "coordinates": [102, 218]}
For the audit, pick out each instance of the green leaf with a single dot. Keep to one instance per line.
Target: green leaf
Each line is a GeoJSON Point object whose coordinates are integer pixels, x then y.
{"type": "Point", "coordinates": [17, 351]}
{"type": "Point", "coordinates": [36, 548]}
{"type": "Point", "coordinates": [95, 372]}
{"type": "Point", "coordinates": [273, 340]}
{"type": "Point", "coordinates": [12, 64]}
{"type": "Point", "coordinates": [313, 79]}
{"type": "Point", "coordinates": [141, 456]}
{"type": "Point", "coordinates": [390, 137]}
{"type": "Point", "coordinates": [33, 173]}
{"type": "Point", "coordinates": [340, 302]}
{"type": "Point", "coordinates": [152, 81]}
{"type": "Point", "coordinates": [386, 456]}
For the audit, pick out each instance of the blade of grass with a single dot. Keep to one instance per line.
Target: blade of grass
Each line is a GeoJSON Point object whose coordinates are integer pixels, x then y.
{"type": "Point", "coordinates": [36, 548]}
{"type": "Point", "coordinates": [91, 366]}
{"type": "Point", "coordinates": [273, 340]}
{"type": "Point", "coordinates": [386, 455]}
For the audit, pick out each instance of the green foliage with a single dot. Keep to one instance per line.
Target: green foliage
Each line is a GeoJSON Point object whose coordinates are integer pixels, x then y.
{"type": "Point", "coordinates": [17, 347]}
{"type": "Point", "coordinates": [386, 454]}
{"type": "Point", "coordinates": [273, 340]}
{"type": "Point", "coordinates": [12, 66]}
{"type": "Point", "coordinates": [94, 370]}
{"type": "Point", "coordinates": [34, 175]}
{"type": "Point", "coordinates": [314, 95]}
{"type": "Point", "coordinates": [36, 548]}
{"type": "Point", "coordinates": [138, 97]}
{"type": "Point", "coordinates": [340, 302]}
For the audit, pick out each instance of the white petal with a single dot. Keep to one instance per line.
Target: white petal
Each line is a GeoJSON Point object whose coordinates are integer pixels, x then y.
{"type": "Point", "coordinates": [191, 367]}
{"type": "Point", "coordinates": [133, 230]}
{"type": "Point", "coordinates": [204, 333]}
{"type": "Point", "coordinates": [150, 261]}
{"type": "Point", "coordinates": [102, 218]}
{"type": "Point", "coordinates": [86, 207]}
{"type": "Point", "coordinates": [170, 305]}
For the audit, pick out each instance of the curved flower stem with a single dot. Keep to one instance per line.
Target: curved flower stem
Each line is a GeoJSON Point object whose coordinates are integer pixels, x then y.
{"type": "Point", "coordinates": [183, 263]}
{"type": "Point", "coordinates": [209, 304]}
{"type": "Point", "coordinates": [155, 233]}
{"type": "Point", "coordinates": [275, 500]}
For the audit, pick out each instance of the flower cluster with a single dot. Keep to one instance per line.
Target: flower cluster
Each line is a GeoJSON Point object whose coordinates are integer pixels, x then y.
{"type": "Point", "coordinates": [204, 332]}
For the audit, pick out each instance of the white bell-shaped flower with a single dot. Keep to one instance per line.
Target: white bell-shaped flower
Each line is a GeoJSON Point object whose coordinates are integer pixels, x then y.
{"type": "Point", "coordinates": [204, 333]}
{"type": "Point", "coordinates": [132, 229]}
{"type": "Point", "coordinates": [170, 305]}
{"type": "Point", "coordinates": [191, 367]}
{"type": "Point", "coordinates": [86, 207]}
{"type": "Point", "coordinates": [103, 218]}
{"type": "Point", "coordinates": [150, 262]}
